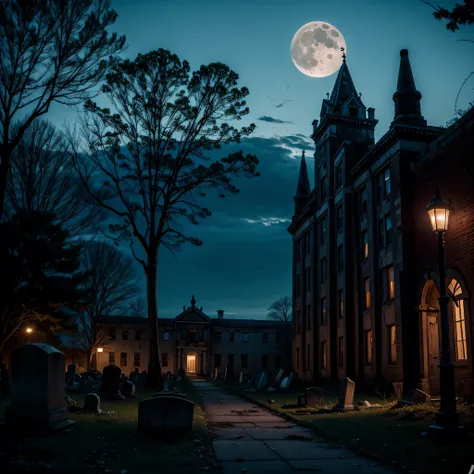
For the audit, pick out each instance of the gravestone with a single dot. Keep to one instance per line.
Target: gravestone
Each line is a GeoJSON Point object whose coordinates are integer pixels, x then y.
{"type": "Point", "coordinates": [346, 397]}
{"type": "Point", "coordinates": [165, 415]}
{"type": "Point", "coordinates": [92, 403]}
{"type": "Point", "coordinates": [290, 379]}
{"type": "Point", "coordinates": [38, 389]}
{"type": "Point", "coordinates": [257, 379]}
{"type": "Point", "coordinates": [241, 376]}
{"type": "Point", "coordinates": [314, 396]}
{"type": "Point", "coordinates": [418, 397]}
{"type": "Point", "coordinates": [263, 382]}
{"type": "Point", "coordinates": [279, 375]}
{"type": "Point", "coordinates": [284, 382]}
{"type": "Point", "coordinates": [128, 389]}
{"type": "Point", "coordinates": [111, 380]}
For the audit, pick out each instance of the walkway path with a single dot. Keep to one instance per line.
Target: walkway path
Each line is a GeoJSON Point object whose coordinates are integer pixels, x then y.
{"type": "Point", "coordinates": [251, 440]}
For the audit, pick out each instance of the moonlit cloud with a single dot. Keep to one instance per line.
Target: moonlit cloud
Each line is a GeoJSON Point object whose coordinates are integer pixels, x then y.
{"type": "Point", "coordinates": [267, 118]}
{"type": "Point", "coordinates": [268, 221]}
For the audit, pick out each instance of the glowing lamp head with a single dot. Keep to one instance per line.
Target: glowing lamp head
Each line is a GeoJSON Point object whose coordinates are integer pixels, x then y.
{"type": "Point", "coordinates": [29, 330]}
{"type": "Point", "coordinates": [439, 210]}
{"type": "Point", "coordinates": [100, 349]}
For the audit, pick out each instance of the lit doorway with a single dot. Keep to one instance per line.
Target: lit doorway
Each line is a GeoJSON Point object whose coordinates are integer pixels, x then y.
{"type": "Point", "coordinates": [191, 364]}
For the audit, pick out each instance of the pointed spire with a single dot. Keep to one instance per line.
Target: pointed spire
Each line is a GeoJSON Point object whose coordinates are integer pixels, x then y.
{"type": "Point", "coordinates": [407, 98]}
{"type": "Point", "coordinates": [344, 86]}
{"type": "Point", "coordinates": [193, 302]}
{"type": "Point", "coordinates": [303, 189]}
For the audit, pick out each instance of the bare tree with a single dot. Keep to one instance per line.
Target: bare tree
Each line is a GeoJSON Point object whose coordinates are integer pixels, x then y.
{"type": "Point", "coordinates": [50, 51]}
{"type": "Point", "coordinates": [281, 310]}
{"type": "Point", "coordinates": [42, 178]}
{"type": "Point", "coordinates": [113, 283]}
{"type": "Point", "coordinates": [138, 308]}
{"type": "Point", "coordinates": [145, 161]}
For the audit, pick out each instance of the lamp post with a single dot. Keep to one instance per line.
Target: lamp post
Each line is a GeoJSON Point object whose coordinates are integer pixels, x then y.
{"type": "Point", "coordinates": [29, 331]}
{"type": "Point", "coordinates": [99, 350]}
{"type": "Point", "coordinates": [447, 417]}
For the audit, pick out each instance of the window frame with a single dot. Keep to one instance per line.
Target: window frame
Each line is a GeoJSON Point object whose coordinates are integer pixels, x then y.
{"type": "Point", "coordinates": [324, 311]}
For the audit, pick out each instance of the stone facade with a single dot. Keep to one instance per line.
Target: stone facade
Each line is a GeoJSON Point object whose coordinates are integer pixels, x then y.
{"type": "Point", "coordinates": [197, 343]}
{"type": "Point", "coordinates": [365, 302]}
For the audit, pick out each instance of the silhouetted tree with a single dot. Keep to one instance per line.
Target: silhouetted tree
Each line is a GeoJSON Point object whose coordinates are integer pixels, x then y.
{"type": "Point", "coordinates": [40, 277]}
{"type": "Point", "coordinates": [112, 283]}
{"type": "Point", "coordinates": [42, 178]}
{"type": "Point", "coordinates": [50, 51]}
{"type": "Point", "coordinates": [147, 160]}
{"type": "Point", "coordinates": [461, 14]}
{"type": "Point", "coordinates": [138, 308]}
{"type": "Point", "coordinates": [281, 310]}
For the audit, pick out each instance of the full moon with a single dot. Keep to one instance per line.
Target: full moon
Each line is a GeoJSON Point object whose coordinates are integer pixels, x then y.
{"type": "Point", "coordinates": [316, 49]}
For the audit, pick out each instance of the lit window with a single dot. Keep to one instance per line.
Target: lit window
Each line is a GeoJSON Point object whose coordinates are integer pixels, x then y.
{"type": "Point", "coordinates": [368, 347]}
{"type": "Point", "coordinates": [365, 244]}
{"type": "Point", "coordinates": [392, 332]}
{"type": "Point", "coordinates": [391, 283]}
{"type": "Point", "coordinates": [459, 319]}
{"type": "Point", "coordinates": [366, 293]}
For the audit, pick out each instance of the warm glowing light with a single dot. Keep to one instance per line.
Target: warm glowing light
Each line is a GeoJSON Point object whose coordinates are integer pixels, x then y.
{"type": "Point", "coordinates": [29, 330]}
{"type": "Point", "coordinates": [439, 211]}
{"type": "Point", "coordinates": [100, 349]}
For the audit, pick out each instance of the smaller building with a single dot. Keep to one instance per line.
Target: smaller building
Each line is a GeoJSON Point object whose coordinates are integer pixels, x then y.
{"type": "Point", "coordinates": [198, 344]}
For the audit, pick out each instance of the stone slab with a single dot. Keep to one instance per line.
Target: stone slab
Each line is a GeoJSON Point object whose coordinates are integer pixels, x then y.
{"type": "Point", "coordinates": [279, 425]}
{"type": "Point", "coordinates": [230, 433]}
{"type": "Point", "coordinates": [279, 433]}
{"type": "Point", "coordinates": [229, 426]}
{"type": "Point", "coordinates": [226, 419]}
{"type": "Point", "coordinates": [227, 450]}
{"type": "Point", "coordinates": [307, 450]}
{"type": "Point", "coordinates": [340, 466]}
{"type": "Point", "coordinates": [256, 467]}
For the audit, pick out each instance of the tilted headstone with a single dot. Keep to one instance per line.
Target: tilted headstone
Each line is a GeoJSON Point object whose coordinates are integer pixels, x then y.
{"type": "Point", "coordinates": [346, 396]}
{"type": "Point", "coordinates": [314, 396]}
{"type": "Point", "coordinates": [92, 403]}
{"type": "Point", "coordinates": [165, 415]}
{"type": "Point", "coordinates": [38, 388]}
{"type": "Point", "coordinates": [128, 389]}
{"type": "Point", "coordinates": [241, 376]}
{"type": "Point", "coordinates": [111, 381]}
{"type": "Point", "coordinates": [418, 397]}
{"type": "Point", "coordinates": [263, 382]}
{"type": "Point", "coordinates": [279, 375]}
{"type": "Point", "coordinates": [284, 382]}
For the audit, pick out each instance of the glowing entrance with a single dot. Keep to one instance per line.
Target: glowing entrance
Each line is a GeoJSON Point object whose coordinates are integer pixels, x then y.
{"type": "Point", "coordinates": [191, 363]}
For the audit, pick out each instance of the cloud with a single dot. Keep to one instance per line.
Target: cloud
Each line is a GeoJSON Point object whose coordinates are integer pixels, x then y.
{"type": "Point", "coordinates": [268, 221]}
{"type": "Point", "coordinates": [267, 118]}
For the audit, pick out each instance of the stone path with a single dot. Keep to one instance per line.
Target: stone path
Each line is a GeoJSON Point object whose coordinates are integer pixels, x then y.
{"type": "Point", "coordinates": [251, 440]}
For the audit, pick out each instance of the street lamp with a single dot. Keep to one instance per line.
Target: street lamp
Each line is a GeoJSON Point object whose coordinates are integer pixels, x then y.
{"type": "Point", "coordinates": [29, 331]}
{"type": "Point", "coordinates": [447, 417]}
{"type": "Point", "coordinates": [99, 350]}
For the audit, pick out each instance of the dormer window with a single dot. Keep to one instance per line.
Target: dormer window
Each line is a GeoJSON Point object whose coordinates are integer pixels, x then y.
{"type": "Point", "coordinates": [353, 111]}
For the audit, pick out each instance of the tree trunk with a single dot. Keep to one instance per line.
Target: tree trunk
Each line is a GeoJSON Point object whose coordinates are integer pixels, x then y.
{"type": "Point", "coordinates": [89, 358]}
{"type": "Point", "coordinates": [154, 374]}
{"type": "Point", "coordinates": [5, 153]}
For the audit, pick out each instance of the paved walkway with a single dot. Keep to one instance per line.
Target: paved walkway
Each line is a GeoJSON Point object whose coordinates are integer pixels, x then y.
{"type": "Point", "coordinates": [251, 440]}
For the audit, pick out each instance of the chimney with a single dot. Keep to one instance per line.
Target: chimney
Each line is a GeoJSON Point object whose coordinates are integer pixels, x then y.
{"type": "Point", "coordinates": [220, 313]}
{"type": "Point", "coordinates": [370, 113]}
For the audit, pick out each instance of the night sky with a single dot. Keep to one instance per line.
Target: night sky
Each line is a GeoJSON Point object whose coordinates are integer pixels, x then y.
{"type": "Point", "coordinates": [245, 262]}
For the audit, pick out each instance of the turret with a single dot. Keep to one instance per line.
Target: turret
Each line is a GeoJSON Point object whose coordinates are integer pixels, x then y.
{"type": "Point", "coordinates": [303, 189]}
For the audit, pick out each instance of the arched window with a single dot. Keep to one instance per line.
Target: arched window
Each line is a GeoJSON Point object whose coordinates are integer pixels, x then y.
{"type": "Point", "coordinates": [459, 319]}
{"type": "Point", "coordinates": [192, 334]}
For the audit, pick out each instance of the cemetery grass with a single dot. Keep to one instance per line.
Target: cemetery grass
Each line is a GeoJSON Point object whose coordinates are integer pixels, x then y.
{"type": "Point", "coordinates": [111, 444]}
{"type": "Point", "coordinates": [379, 432]}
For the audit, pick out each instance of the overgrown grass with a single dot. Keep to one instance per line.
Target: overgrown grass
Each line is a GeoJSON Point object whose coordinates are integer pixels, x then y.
{"type": "Point", "coordinates": [101, 443]}
{"type": "Point", "coordinates": [380, 432]}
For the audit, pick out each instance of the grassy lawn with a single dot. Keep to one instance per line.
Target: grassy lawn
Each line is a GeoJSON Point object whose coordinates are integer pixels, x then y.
{"type": "Point", "coordinates": [380, 432]}
{"type": "Point", "coordinates": [111, 444]}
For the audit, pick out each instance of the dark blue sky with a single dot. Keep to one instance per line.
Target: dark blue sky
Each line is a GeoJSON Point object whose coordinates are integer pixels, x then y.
{"type": "Point", "coordinates": [245, 262]}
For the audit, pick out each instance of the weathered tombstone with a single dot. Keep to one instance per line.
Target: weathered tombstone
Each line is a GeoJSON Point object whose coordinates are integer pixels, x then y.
{"type": "Point", "coordinates": [241, 376]}
{"type": "Point", "coordinates": [346, 397]}
{"type": "Point", "coordinates": [92, 403]}
{"type": "Point", "coordinates": [111, 381]}
{"type": "Point", "coordinates": [418, 397]}
{"type": "Point", "coordinates": [263, 382]}
{"type": "Point", "coordinates": [38, 392]}
{"type": "Point", "coordinates": [314, 396]}
{"type": "Point", "coordinates": [128, 389]}
{"type": "Point", "coordinates": [279, 375]}
{"type": "Point", "coordinates": [284, 383]}
{"type": "Point", "coordinates": [165, 415]}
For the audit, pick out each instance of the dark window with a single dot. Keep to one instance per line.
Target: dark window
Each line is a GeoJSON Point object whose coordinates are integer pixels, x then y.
{"type": "Point", "coordinates": [308, 317]}
{"type": "Point", "coordinates": [123, 359]}
{"type": "Point", "coordinates": [365, 244]}
{"type": "Point", "coordinates": [390, 283]}
{"type": "Point", "coordinates": [166, 336]}
{"type": "Point", "coordinates": [383, 184]}
{"type": "Point", "coordinates": [352, 111]}
{"type": "Point", "coordinates": [323, 229]}
{"type": "Point", "coordinates": [340, 303]}
{"type": "Point", "coordinates": [230, 360]}
{"type": "Point", "coordinates": [340, 258]}
{"type": "Point", "coordinates": [308, 279]}
{"type": "Point", "coordinates": [323, 270]}
{"type": "Point", "coordinates": [368, 347]}
{"type": "Point", "coordinates": [324, 312]}
{"type": "Point", "coordinates": [217, 360]}
{"type": "Point", "coordinates": [341, 351]}
{"type": "Point", "coordinates": [339, 217]}
{"type": "Point", "coordinates": [338, 175]}
{"type": "Point", "coordinates": [278, 359]}
{"type": "Point", "coordinates": [298, 250]}
{"type": "Point", "coordinates": [366, 293]}
{"type": "Point", "coordinates": [125, 335]}
{"type": "Point", "coordinates": [265, 337]}
{"type": "Point", "coordinates": [324, 354]}
{"type": "Point", "coordinates": [388, 230]}
{"type": "Point", "coordinates": [363, 201]}
{"type": "Point", "coordinates": [112, 333]}
{"type": "Point", "coordinates": [264, 361]}
{"type": "Point", "coordinates": [111, 358]}
{"type": "Point", "coordinates": [298, 285]}
{"type": "Point", "coordinates": [218, 337]}
{"type": "Point", "coordinates": [192, 335]}
{"type": "Point", "coordinates": [232, 337]}
{"type": "Point", "coordinates": [298, 321]}
{"type": "Point", "coordinates": [308, 357]}
{"type": "Point", "coordinates": [381, 234]}
{"type": "Point", "coordinates": [245, 337]}
{"type": "Point", "coordinates": [136, 359]}
{"type": "Point", "coordinates": [307, 239]}
{"type": "Point", "coordinates": [164, 359]}
{"type": "Point", "coordinates": [392, 334]}
{"type": "Point", "coordinates": [138, 335]}
{"type": "Point", "coordinates": [324, 188]}
{"type": "Point", "coordinates": [297, 358]}
{"type": "Point", "coordinates": [244, 361]}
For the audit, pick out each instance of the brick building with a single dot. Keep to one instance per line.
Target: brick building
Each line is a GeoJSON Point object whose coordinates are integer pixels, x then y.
{"type": "Point", "coordinates": [197, 343]}
{"type": "Point", "coordinates": [364, 255]}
